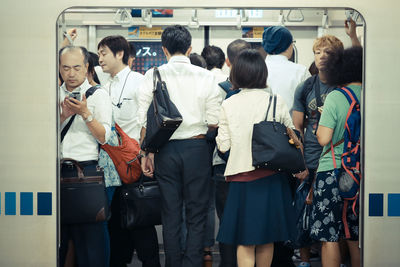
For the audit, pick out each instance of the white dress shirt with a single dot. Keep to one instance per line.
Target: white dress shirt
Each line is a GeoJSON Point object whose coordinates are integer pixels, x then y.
{"type": "Point", "coordinates": [103, 76]}
{"type": "Point", "coordinates": [123, 89]}
{"type": "Point", "coordinates": [192, 89]}
{"type": "Point", "coordinates": [79, 143]}
{"type": "Point", "coordinates": [238, 115]}
{"type": "Point", "coordinates": [284, 76]}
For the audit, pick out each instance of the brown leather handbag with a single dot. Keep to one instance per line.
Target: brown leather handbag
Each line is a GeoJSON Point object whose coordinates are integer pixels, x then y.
{"type": "Point", "coordinates": [83, 198]}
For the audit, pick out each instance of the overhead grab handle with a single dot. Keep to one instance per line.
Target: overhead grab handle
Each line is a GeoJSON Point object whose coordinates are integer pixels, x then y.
{"type": "Point", "coordinates": [295, 15]}
{"type": "Point", "coordinates": [147, 17]}
{"type": "Point", "coordinates": [325, 22]}
{"type": "Point", "coordinates": [123, 17]}
{"type": "Point", "coordinates": [242, 16]}
{"type": "Point", "coordinates": [194, 21]}
{"type": "Point", "coordinates": [281, 19]}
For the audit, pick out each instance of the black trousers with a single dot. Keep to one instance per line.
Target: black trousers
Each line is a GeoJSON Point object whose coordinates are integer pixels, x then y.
{"type": "Point", "coordinates": [123, 242]}
{"type": "Point", "coordinates": [183, 170]}
{"type": "Point", "coordinates": [227, 252]}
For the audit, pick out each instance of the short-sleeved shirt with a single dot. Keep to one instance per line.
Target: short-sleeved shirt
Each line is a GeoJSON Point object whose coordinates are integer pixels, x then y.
{"type": "Point", "coordinates": [312, 149]}
{"type": "Point", "coordinates": [334, 116]}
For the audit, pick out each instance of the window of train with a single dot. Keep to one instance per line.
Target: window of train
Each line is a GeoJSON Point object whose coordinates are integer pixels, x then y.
{"type": "Point", "coordinates": [216, 27]}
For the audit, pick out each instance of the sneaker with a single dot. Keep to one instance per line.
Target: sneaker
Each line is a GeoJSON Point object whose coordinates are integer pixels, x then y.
{"type": "Point", "coordinates": [304, 264]}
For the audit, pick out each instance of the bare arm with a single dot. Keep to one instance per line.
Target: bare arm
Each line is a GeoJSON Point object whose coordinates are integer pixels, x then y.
{"type": "Point", "coordinates": [298, 121]}
{"type": "Point", "coordinates": [350, 27]}
{"type": "Point", "coordinates": [324, 135]}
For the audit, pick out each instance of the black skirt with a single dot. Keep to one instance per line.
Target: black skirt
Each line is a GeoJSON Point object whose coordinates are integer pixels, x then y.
{"type": "Point", "coordinates": [258, 212]}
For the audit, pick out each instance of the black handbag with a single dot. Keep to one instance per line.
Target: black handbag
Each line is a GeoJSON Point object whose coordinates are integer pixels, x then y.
{"type": "Point", "coordinates": [140, 204]}
{"type": "Point", "coordinates": [83, 199]}
{"type": "Point", "coordinates": [163, 118]}
{"type": "Point", "coordinates": [275, 146]}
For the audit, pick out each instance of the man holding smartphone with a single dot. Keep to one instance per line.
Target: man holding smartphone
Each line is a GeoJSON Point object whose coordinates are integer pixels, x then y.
{"type": "Point", "coordinates": [91, 126]}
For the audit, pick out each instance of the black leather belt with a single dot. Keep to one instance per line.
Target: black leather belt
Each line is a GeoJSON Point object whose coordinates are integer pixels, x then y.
{"type": "Point", "coordinates": [82, 163]}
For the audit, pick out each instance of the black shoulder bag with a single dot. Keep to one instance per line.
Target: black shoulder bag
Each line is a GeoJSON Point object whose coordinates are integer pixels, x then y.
{"type": "Point", "coordinates": [275, 146]}
{"type": "Point", "coordinates": [140, 204]}
{"type": "Point", "coordinates": [163, 118]}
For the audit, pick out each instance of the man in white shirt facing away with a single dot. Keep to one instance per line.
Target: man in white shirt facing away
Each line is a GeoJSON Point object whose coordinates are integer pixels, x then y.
{"type": "Point", "coordinates": [90, 127]}
{"type": "Point", "coordinates": [283, 75]}
{"type": "Point", "coordinates": [183, 165]}
{"type": "Point", "coordinates": [123, 87]}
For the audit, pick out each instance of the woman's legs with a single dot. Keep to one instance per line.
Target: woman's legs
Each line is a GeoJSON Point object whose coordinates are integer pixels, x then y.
{"type": "Point", "coordinates": [330, 254]}
{"type": "Point", "coordinates": [246, 256]}
{"type": "Point", "coordinates": [354, 253]}
{"type": "Point", "coordinates": [264, 254]}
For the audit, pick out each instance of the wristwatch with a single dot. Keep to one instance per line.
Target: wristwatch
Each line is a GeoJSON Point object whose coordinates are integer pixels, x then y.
{"type": "Point", "coordinates": [89, 118]}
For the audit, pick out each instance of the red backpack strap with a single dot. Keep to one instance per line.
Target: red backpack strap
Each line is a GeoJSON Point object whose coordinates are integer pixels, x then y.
{"type": "Point", "coordinates": [344, 219]}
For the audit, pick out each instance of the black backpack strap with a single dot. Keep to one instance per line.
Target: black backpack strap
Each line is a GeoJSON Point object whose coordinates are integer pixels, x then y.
{"type": "Point", "coordinates": [88, 93]}
{"type": "Point", "coordinates": [91, 90]}
{"type": "Point", "coordinates": [317, 92]}
{"type": "Point", "coordinates": [66, 128]}
{"type": "Point", "coordinates": [226, 86]}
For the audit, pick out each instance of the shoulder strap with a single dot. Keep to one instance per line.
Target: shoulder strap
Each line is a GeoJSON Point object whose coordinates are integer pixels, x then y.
{"type": "Point", "coordinates": [66, 128]}
{"type": "Point", "coordinates": [349, 94]}
{"type": "Point", "coordinates": [156, 77]}
{"type": "Point", "coordinates": [317, 92]}
{"type": "Point", "coordinates": [226, 86]}
{"type": "Point", "coordinates": [88, 93]}
{"type": "Point", "coordinates": [332, 146]}
{"type": "Point", "coordinates": [91, 90]}
{"type": "Point", "coordinates": [269, 105]}
{"type": "Point", "coordinates": [274, 110]}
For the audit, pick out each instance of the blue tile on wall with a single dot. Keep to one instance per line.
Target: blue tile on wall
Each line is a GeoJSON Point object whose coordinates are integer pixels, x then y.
{"type": "Point", "coordinates": [26, 203]}
{"type": "Point", "coordinates": [44, 204]}
{"type": "Point", "coordinates": [393, 204]}
{"type": "Point", "coordinates": [375, 204]}
{"type": "Point", "coordinates": [10, 203]}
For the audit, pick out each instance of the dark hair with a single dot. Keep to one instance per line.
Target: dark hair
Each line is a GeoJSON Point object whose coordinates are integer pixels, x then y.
{"type": "Point", "coordinates": [176, 39]}
{"type": "Point", "coordinates": [68, 48]}
{"type": "Point", "coordinates": [214, 57]}
{"type": "Point", "coordinates": [249, 70]}
{"type": "Point", "coordinates": [235, 47]}
{"type": "Point", "coordinates": [344, 66]}
{"type": "Point", "coordinates": [313, 69]}
{"type": "Point", "coordinates": [116, 43]}
{"type": "Point", "coordinates": [197, 60]}
{"type": "Point", "coordinates": [132, 50]}
{"type": "Point", "coordinates": [93, 62]}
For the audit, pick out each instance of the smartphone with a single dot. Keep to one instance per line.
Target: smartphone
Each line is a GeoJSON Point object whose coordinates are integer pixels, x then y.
{"type": "Point", "coordinates": [75, 95]}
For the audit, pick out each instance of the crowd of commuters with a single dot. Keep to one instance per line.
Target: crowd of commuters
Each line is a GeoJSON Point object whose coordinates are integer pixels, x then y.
{"type": "Point", "coordinates": [199, 175]}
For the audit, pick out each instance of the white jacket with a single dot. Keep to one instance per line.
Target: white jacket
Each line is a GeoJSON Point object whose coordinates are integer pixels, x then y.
{"type": "Point", "coordinates": [238, 115]}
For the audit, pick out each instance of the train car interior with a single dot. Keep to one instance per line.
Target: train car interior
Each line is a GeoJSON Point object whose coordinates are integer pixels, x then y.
{"type": "Point", "coordinates": [208, 26]}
